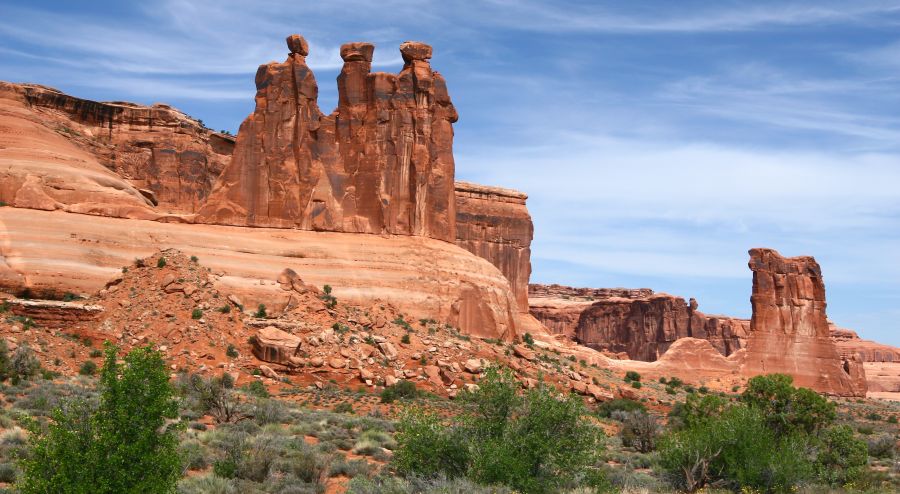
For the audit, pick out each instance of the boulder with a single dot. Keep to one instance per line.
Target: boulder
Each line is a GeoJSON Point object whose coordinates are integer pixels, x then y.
{"type": "Point", "coordinates": [274, 345]}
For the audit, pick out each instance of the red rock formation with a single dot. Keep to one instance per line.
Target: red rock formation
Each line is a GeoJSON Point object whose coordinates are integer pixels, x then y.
{"type": "Point", "coordinates": [382, 163]}
{"type": "Point", "coordinates": [789, 330]}
{"type": "Point", "coordinates": [493, 223]}
{"type": "Point", "coordinates": [881, 362]}
{"type": "Point", "coordinates": [635, 321]}
{"type": "Point", "coordinates": [646, 327]}
{"type": "Point", "coordinates": [171, 159]}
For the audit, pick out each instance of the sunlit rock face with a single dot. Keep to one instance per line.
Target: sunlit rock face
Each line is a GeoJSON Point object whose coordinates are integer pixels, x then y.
{"type": "Point", "coordinates": [381, 163]}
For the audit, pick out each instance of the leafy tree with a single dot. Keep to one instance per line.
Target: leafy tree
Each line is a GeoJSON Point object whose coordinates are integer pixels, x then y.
{"type": "Point", "coordinates": [842, 458]}
{"type": "Point", "coordinates": [788, 408]}
{"type": "Point", "coordinates": [125, 444]}
{"type": "Point", "coordinates": [539, 442]}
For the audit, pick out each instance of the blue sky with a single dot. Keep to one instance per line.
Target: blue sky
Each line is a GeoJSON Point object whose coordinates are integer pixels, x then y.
{"type": "Point", "coordinates": [658, 141]}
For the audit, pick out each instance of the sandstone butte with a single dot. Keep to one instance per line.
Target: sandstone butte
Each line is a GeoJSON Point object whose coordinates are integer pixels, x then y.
{"type": "Point", "coordinates": [363, 199]}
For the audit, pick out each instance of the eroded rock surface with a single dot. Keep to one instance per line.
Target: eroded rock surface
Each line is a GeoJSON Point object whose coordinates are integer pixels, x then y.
{"type": "Point", "coordinates": [881, 362]}
{"type": "Point", "coordinates": [381, 163]}
{"type": "Point", "coordinates": [114, 159]}
{"type": "Point", "coordinates": [493, 223]}
{"type": "Point", "coordinates": [789, 331]}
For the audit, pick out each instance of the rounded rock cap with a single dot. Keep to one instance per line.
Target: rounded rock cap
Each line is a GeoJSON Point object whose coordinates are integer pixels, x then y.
{"type": "Point", "coordinates": [415, 50]}
{"type": "Point", "coordinates": [357, 52]}
{"type": "Point", "coordinates": [297, 44]}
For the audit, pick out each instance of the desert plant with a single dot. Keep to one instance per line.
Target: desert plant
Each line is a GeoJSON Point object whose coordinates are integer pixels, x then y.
{"type": "Point", "coordinates": [632, 376]}
{"type": "Point", "coordinates": [403, 389]}
{"type": "Point", "coordinates": [126, 444]}
{"type": "Point", "coordinates": [197, 314]}
{"type": "Point", "coordinates": [24, 364]}
{"type": "Point", "coordinates": [231, 351]}
{"type": "Point", "coordinates": [261, 312]}
{"type": "Point", "coordinates": [88, 368]}
{"type": "Point", "coordinates": [161, 262]}
{"type": "Point", "coordinates": [329, 299]}
{"type": "Point", "coordinates": [640, 431]}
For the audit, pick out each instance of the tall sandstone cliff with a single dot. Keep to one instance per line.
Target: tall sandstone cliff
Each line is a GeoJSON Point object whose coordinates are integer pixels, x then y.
{"type": "Point", "coordinates": [789, 328]}
{"type": "Point", "coordinates": [381, 163]}
{"type": "Point", "coordinates": [493, 223]}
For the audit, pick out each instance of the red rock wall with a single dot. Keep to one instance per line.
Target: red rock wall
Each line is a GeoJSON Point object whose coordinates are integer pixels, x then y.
{"type": "Point", "coordinates": [382, 163]}
{"type": "Point", "coordinates": [645, 328]}
{"type": "Point", "coordinates": [789, 331]}
{"type": "Point", "coordinates": [171, 157]}
{"type": "Point", "coordinates": [493, 223]}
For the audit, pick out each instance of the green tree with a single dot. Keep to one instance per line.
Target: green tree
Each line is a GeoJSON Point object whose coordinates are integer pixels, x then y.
{"type": "Point", "coordinates": [842, 457]}
{"type": "Point", "coordinates": [126, 444]}
{"type": "Point", "coordinates": [788, 408]}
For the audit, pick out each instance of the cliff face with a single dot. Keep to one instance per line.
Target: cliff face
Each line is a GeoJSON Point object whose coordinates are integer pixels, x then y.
{"type": "Point", "coordinates": [382, 163]}
{"type": "Point", "coordinates": [171, 159]}
{"type": "Point", "coordinates": [789, 328]}
{"type": "Point", "coordinates": [634, 321]}
{"type": "Point", "coordinates": [493, 223]}
{"type": "Point", "coordinates": [881, 362]}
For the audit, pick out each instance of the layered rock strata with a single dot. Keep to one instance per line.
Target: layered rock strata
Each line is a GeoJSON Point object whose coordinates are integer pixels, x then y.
{"type": "Point", "coordinates": [381, 163]}
{"type": "Point", "coordinates": [789, 330]}
{"type": "Point", "coordinates": [115, 159]}
{"type": "Point", "coordinates": [881, 362]}
{"type": "Point", "coordinates": [638, 322]}
{"type": "Point", "coordinates": [493, 223]}
{"type": "Point", "coordinates": [51, 253]}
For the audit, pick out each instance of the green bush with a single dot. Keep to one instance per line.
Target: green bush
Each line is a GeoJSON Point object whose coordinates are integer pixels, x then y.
{"type": "Point", "coordinates": [96, 353]}
{"type": "Point", "coordinates": [787, 408]}
{"type": "Point", "coordinates": [256, 388]}
{"type": "Point", "coordinates": [607, 408]}
{"type": "Point", "coordinates": [632, 376]}
{"type": "Point", "coordinates": [842, 458]}
{"type": "Point", "coordinates": [24, 365]}
{"type": "Point", "coordinates": [196, 314]}
{"type": "Point", "coordinates": [539, 442]}
{"type": "Point", "coordinates": [124, 444]}
{"type": "Point", "coordinates": [343, 407]}
{"type": "Point", "coordinates": [88, 368]}
{"type": "Point", "coordinates": [639, 431]}
{"type": "Point", "coordinates": [528, 339]}
{"type": "Point", "coordinates": [161, 263]}
{"type": "Point", "coordinates": [405, 339]}
{"type": "Point", "coordinates": [328, 298]}
{"type": "Point", "coordinates": [636, 384]}
{"type": "Point", "coordinates": [403, 389]}
{"type": "Point", "coordinates": [261, 312]}
{"type": "Point", "coordinates": [231, 351]}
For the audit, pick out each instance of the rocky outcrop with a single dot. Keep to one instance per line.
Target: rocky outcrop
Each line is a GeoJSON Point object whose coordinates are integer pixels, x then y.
{"type": "Point", "coordinates": [422, 277]}
{"type": "Point", "coordinates": [789, 331]}
{"type": "Point", "coordinates": [638, 322]}
{"type": "Point", "coordinates": [493, 223]}
{"type": "Point", "coordinates": [53, 314]}
{"type": "Point", "coordinates": [558, 307]}
{"type": "Point", "coordinates": [646, 327]}
{"type": "Point", "coordinates": [881, 362]}
{"type": "Point", "coordinates": [381, 163]}
{"type": "Point", "coordinates": [68, 152]}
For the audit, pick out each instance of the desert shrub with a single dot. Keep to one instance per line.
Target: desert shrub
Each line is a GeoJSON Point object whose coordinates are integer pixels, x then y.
{"type": "Point", "coordinates": [636, 384]}
{"type": "Point", "coordinates": [193, 456]}
{"type": "Point", "coordinates": [210, 395]}
{"type": "Point", "coordinates": [343, 407]}
{"type": "Point", "coordinates": [632, 376]}
{"type": "Point", "coordinates": [539, 442]}
{"type": "Point", "coordinates": [256, 388]}
{"type": "Point", "coordinates": [675, 382]}
{"type": "Point", "coordinates": [124, 444]}
{"type": "Point", "coordinates": [696, 409]}
{"type": "Point", "coordinates": [403, 389]}
{"type": "Point", "coordinates": [225, 309]}
{"type": "Point", "coordinates": [269, 411]}
{"type": "Point", "coordinates": [96, 353]}
{"type": "Point", "coordinates": [842, 458]}
{"type": "Point", "coordinates": [735, 448]}
{"type": "Point", "coordinates": [640, 431]}
{"type": "Point", "coordinates": [882, 446]}
{"type": "Point", "coordinates": [607, 408]}
{"type": "Point", "coordinates": [892, 419]}
{"type": "Point", "coordinates": [161, 263]}
{"type": "Point", "coordinates": [8, 472]}
{"type": "Point", "coordinates": [428, 448]}
{"type": "Point", "coordinates": [874, 416]}
{"type": "Point", "coordinates": [197, 313]}
{"type": "Point", "coordinates": [261, 312]}
{"type": "Point", "coordinates": [405, 339]}
{"type": "Point", "coordinates": [24, 365]}
{"type": "Point", "coordinates": [329, 299]}
{"type": "Point", "coordinates": [231, 351]}
{"type": "Point", "coordinates": [528, 339]}
{"type": "Point", "coordinates": [787, 408]}
{"type": "Point", "coordinates": [88, 368]}
{"type": "Point", "coordinates": [207, 484]}
{"type": "Point", "coordinates": [194, 259]}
